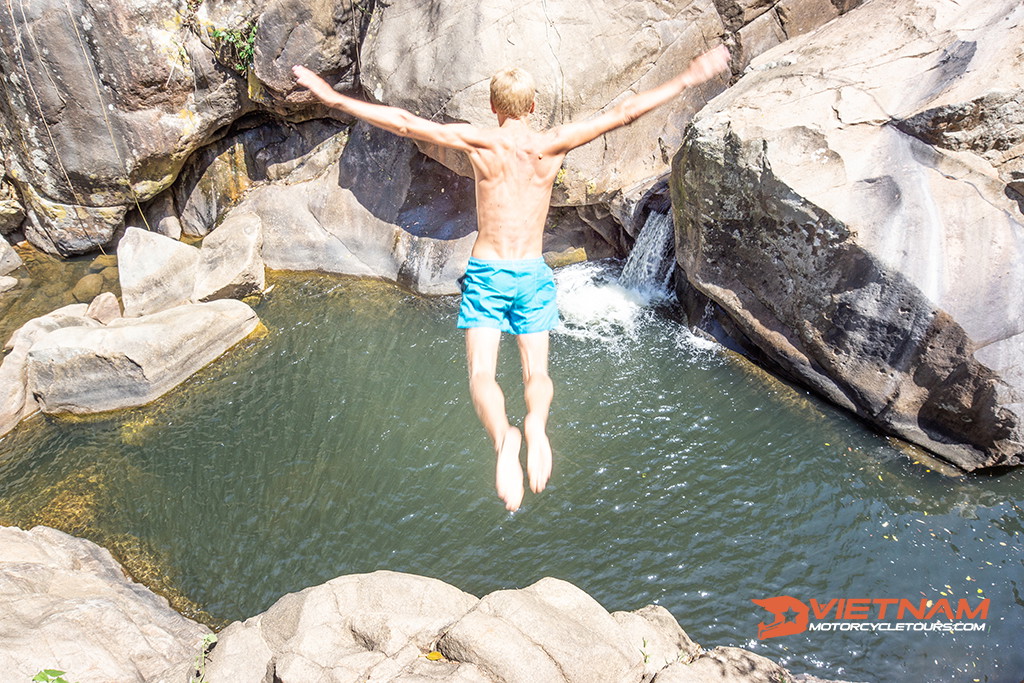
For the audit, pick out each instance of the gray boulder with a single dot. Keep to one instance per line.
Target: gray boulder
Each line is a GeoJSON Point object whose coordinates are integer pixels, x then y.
{"type": "Point", "coordinates": [358, 627]}
{"type": "Point", "coordinates": [66, 604]}
{"type": "Point", "coordinates": [16, 403]}
{"type": "Point", "coordinates": [551, 630]}
{"type": "Point", "coordinates": [659, 638]}
{"type": "Point", "coordinates": [131, 361]}
{"type": "Point", "coordinates": [849, 206]}
{"type": "Point", "coordinates": [155, 272]}
{"type": "Point", "coordinates": [7, 283]}
{"type": "Point", "coordinates": [104, 309]}
{"type": "Point", "coordinates": [9, 259]}
{"type": "Point", "coordinates": [230, 264]}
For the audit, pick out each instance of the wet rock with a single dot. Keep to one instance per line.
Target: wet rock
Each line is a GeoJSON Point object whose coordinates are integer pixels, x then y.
{"type": "Point", "coordinates": [7, 283]}
{"type": "Point", "coordinates": [131, 361]}
{"type": "Point", "coordinates": [104, 308]}
{"type": "Point", "coordinates": [358, 627]}
{"type": "Point", "coordinates": [848, 204]}
{"type": "Point", "coordinates": [102, 262]}
{"type": "Point", "coordinates": [156, 272]}
{"type": "Point", "coordinates": [88, 288]}
{"type": "Point", "coordinates": [66, 604]}
{"type": "Point", "coordinates": [230, 263]}
{"type": "Point", "coordinates": [9, 259]}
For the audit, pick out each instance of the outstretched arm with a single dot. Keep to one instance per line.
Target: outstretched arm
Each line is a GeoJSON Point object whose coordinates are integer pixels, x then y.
{"type": "Point", "coordinates": [394, 119]}
{"type": "Point", "coordinates": [701, 69]}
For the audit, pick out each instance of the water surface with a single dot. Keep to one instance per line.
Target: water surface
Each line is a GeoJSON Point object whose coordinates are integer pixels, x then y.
{"type": "Point", "coordinates": [344, 441]}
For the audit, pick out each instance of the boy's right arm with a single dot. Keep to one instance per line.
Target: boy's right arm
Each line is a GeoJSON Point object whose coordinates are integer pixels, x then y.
{"type": "Point", "coordinates": [701, 69]}
{"type": "Point", "coordinates": [394, 119]}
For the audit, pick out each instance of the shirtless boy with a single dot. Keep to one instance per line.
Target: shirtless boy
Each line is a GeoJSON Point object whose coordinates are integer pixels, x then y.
{"type": "Point", "coordinates": [508, 287]}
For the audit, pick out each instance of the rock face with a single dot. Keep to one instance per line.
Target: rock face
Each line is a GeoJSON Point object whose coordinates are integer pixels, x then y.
{"type": "Point", "coordinates": [131, 361]}
{"type": "Point", "coordinates": [66, 604]}
{"type": "Point", "coordinates": [103, 103]}
{"type": "Point", "coordinates": [417, 232]}
{"type": "Point", "coordinates": [387, 626]}
{"type": "Point", "coordinates": [850, 206]}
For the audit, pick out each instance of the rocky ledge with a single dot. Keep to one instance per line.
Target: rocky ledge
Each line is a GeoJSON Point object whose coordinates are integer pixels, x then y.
{"type": "Point", "coordinates": [66, 604]}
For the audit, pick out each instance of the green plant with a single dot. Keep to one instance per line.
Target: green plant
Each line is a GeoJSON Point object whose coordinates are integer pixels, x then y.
{"type": "Point", "coordinates": [50, 676]}
{"type": "Point", "coordinates": [207, 643]}
{"type": "Point", "coordinates": [236, 47]}
{"type": "Point", "coordinates": [643, 651]}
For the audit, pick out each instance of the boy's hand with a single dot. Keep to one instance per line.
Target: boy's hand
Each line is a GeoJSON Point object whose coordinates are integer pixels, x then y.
{"type": "Point", "coordinates": [315, 84]}
{"type": "Point", "coordinates": [708, 65]}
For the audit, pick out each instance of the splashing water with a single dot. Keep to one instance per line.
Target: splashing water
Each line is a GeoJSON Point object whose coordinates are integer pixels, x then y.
{"type": "Point", "coordinates": [597, 301]}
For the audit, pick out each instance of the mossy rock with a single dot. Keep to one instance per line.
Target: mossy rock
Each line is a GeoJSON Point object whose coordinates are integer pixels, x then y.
{"type": "Point", "coordinates": [88, 288]}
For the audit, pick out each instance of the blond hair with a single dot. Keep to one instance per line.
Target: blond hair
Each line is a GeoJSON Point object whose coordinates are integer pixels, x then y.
{"type": "Point", "coordinates": [512, 92]}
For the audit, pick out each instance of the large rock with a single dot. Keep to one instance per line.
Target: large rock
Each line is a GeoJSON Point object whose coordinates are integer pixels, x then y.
{"type": "Point", "coordinates": [16, 403]}
{"type": "Point", "coordinates": [550, 631]}
{"type": "Point", "coordinates": [66, 604]}
{"type": "Point", "coordinates": [357, 627]}
{"type": "Point", "coordinates": [132, 361]}
{"type": "Point", "coordinates": [418, 232]}
{"type": "Point", "coordinates": [155, 272]}
{"type": "Point", "coordinates": [724, 665]}
{"type": "Point", "coordinates": [230, 262]}
{"type": "Point", "coordinates": [583, 60]}
{"type": "Point", "coordinates": [850, 205]}
{"type": "Point", "coordinates": [103, 102]}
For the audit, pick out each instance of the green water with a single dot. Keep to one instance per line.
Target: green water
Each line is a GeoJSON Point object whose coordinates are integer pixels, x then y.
{"type": "Point", "coordinates": [344, 441]}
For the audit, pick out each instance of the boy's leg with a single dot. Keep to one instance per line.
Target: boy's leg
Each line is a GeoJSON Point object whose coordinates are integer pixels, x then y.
{"type": "Point", "coordinates": [538, 390]}
{"type": "Point", "coordinates": [482, 356]}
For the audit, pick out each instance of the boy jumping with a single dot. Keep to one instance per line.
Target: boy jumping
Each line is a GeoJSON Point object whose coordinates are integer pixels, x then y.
{"type": "Point", "coordinates": [508, 287]}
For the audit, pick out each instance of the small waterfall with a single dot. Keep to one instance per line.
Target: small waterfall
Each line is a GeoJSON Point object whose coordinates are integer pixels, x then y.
{"type": "Point", "coordinates": [650, 264]}
{"type": "Point", "coordinates": [596, 301]}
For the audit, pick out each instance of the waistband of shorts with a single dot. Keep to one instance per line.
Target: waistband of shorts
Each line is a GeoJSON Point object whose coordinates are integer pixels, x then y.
{"type": "Point", "coordinates": [507, 263]}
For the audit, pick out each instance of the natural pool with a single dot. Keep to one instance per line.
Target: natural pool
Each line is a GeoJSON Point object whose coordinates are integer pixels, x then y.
{"type": "Point", "coordinates": [344, 441]}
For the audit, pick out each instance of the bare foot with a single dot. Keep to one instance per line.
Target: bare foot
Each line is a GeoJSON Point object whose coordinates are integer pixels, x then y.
{"type": "Point", "coordinates": [538, 456]}
{"type": "Point", "coordinates": [508, 478]}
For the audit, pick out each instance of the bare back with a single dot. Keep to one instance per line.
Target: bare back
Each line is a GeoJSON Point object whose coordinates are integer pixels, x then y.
{"type": "Point", "coordinates": [515, 171]}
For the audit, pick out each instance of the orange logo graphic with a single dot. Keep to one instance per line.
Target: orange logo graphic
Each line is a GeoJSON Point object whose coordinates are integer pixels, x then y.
{"type": "Point", "coordinates": [879, 615]}
{"type": "Point", "coordinates": [789, 617]}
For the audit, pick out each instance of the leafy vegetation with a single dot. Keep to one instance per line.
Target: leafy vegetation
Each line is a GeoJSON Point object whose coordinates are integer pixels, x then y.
{"type": "Point", "coordinates": [236, 46]}
{"type": "Point", "coordinates": [50, 676]}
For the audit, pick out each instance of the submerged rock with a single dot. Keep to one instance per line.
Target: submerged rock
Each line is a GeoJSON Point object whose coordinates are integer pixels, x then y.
{"type": "Point", "coordinates": [66, 604]}
{"type": "Point", "coordinates": [132, 361]}
{"type": "Point", "coordinates": [849, 207]}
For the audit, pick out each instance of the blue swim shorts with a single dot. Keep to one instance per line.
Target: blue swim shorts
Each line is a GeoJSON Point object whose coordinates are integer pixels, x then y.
{"type": "Point", "coordinates": [514, 296]}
